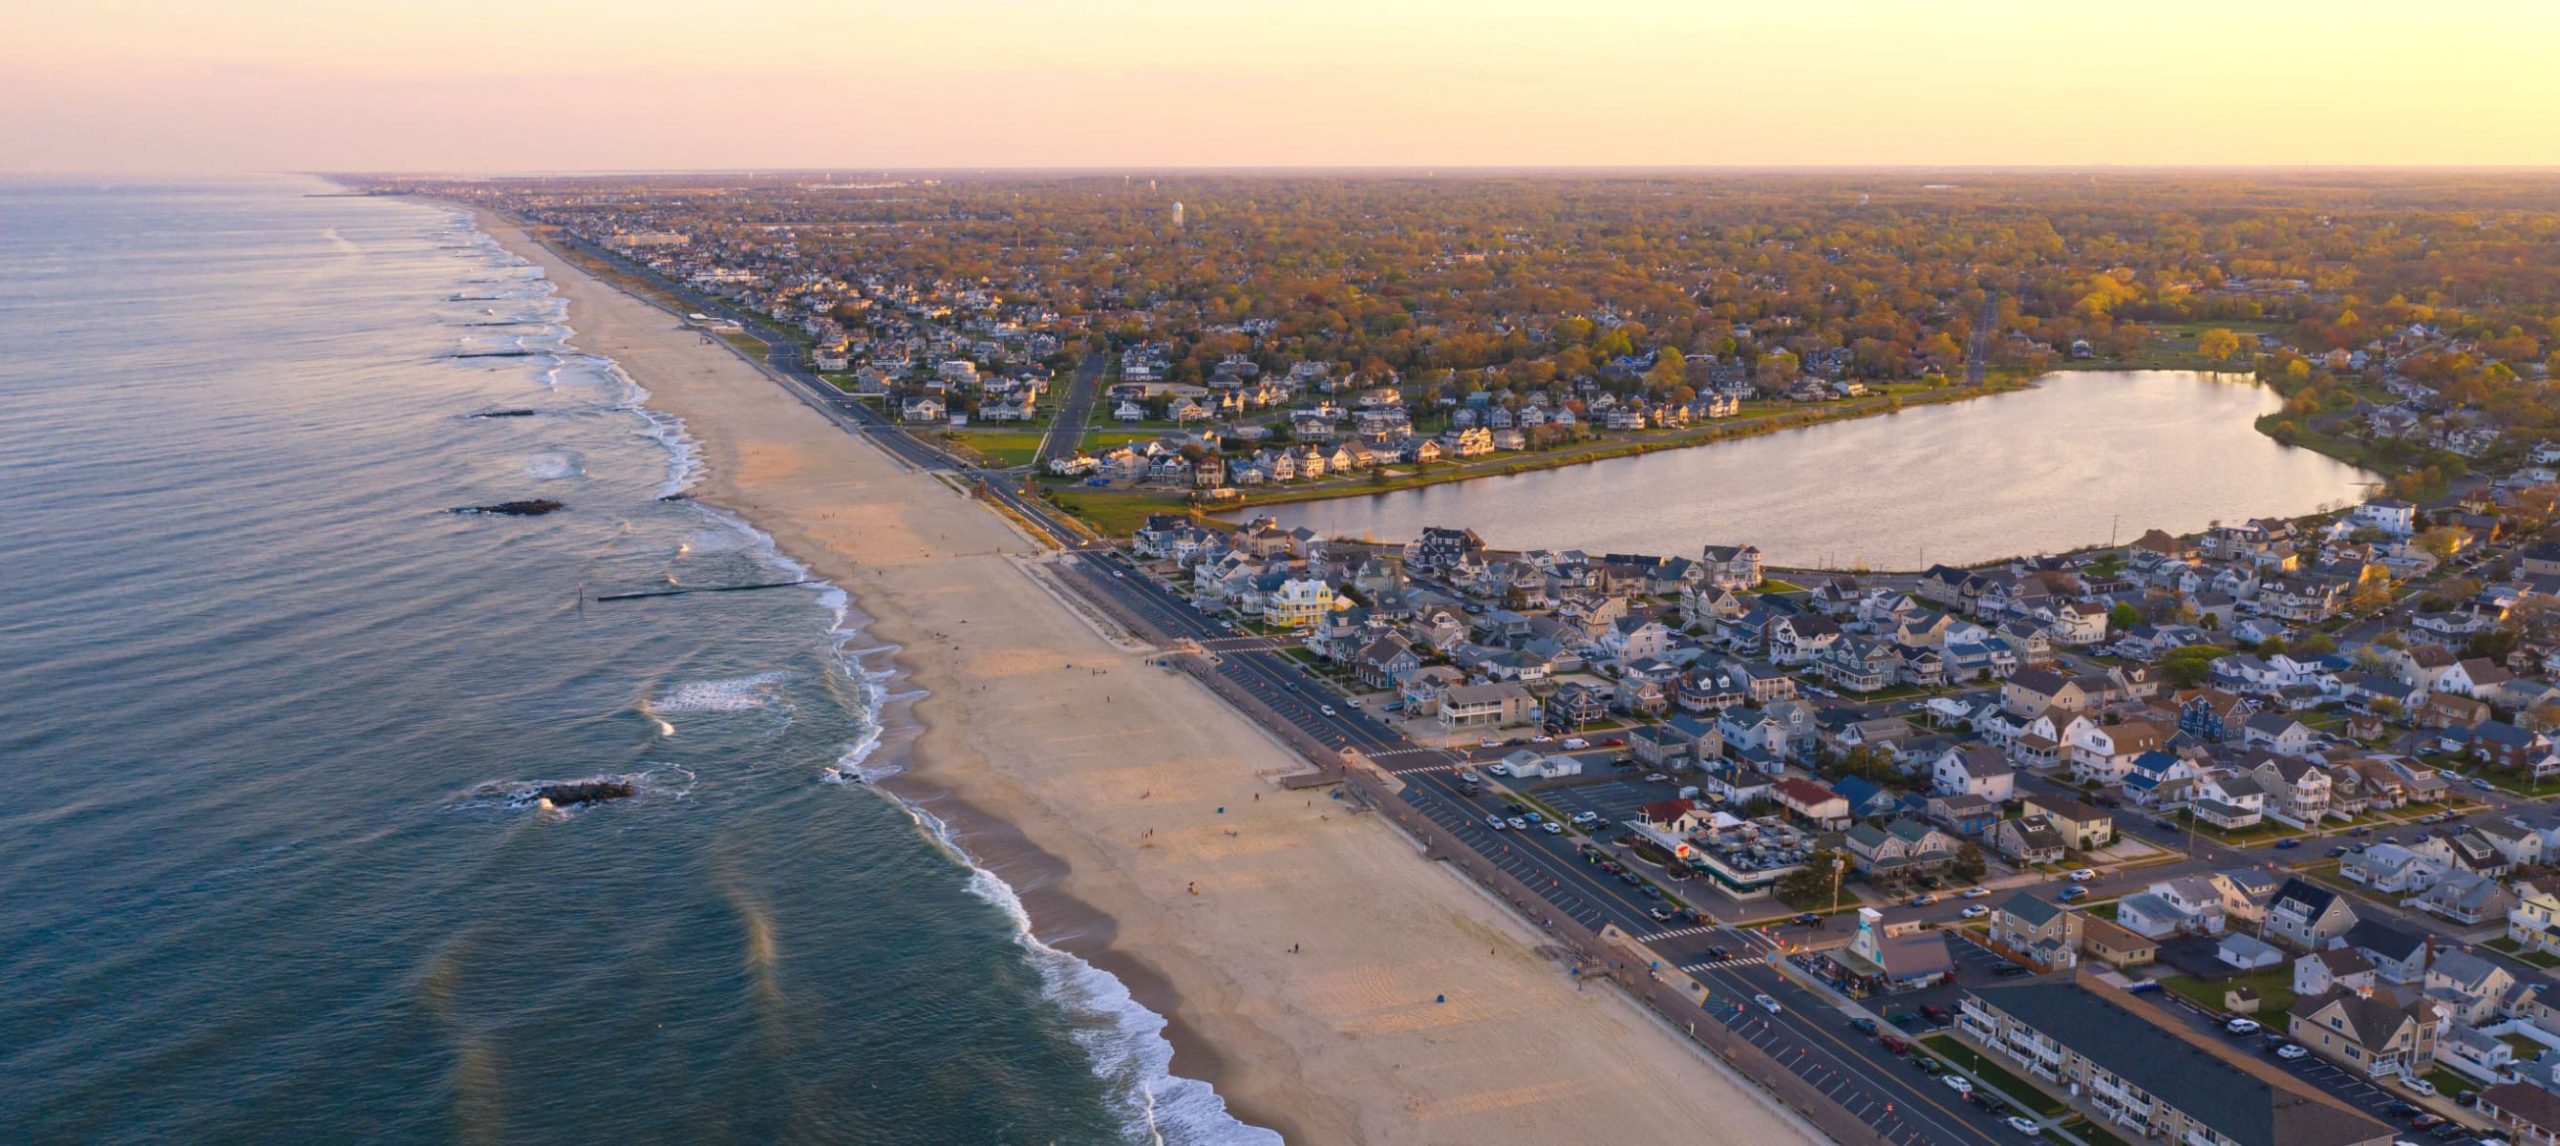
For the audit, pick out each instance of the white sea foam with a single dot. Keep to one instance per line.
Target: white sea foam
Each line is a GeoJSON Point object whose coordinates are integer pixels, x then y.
{"type": "Point", "coordinates": [1124, 1039]}
{"type": "Point", "coordinates": [552, 467]}
{"type": "Point", "coordinates": [734, 694]}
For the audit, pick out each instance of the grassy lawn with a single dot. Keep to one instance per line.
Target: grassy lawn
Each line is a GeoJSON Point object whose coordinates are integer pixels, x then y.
{"type": "Point", "coordinates": [2450, 1082]}
{"type": "Point", "coordinates": [747, 342]}
{"type": "Point", "coordinates": [2518, 783]}
{"type": "Point", "coordinates": [1117, 514]}
{"type": "Point", "coordinates": [1774, 585]}
{"type": "Point", "coordinates": [1001, 447]}
{"type": "Point", "coordinates": [1994, 1074]}
{"type": "Point", "coordinates": [2274, 986]}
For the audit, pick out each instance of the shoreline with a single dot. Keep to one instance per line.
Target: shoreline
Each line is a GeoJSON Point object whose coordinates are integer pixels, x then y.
{"type": "Point", "coordinates": [1192, 914]}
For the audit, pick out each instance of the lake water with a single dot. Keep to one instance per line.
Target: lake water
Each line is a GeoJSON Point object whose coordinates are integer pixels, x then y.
{"type": "Point", "coordinates": [2068, 464]}
{"type": "Point", "coordinates": [270, 721]}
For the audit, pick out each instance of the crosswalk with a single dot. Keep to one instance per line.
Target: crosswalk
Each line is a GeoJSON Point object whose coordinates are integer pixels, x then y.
{"type": "Point", "coordinates": [1723, 964]}
{"type": "Point", "coordinates": [1683, 932]}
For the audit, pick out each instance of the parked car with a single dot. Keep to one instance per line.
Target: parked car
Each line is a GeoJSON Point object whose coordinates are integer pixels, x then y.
{"type": "Point", "coordinates": [1585, 816]}
{"type": "Point", "coordinates": [2241, 1026]}
{"type": "Point", "coordinates": [2082, 875]}
{"type": "Point", "coordinates": [2011, 971]}
{"type": "Point", "coordinates": [1517, 824]}
{"type": "Point", "coordinates": [2418, 1085]}
{"type": "Point", "coordinates": [1658, 914]}
{"type": "Point", "coordinates": [2291, 1052]}
{"type": "Point", "coordinates": [2024, 1125]}
{"type": "Point", "coordinates": [1767, 1004]}
{"type": "Point", "coordinates": [1974, 911]}
{"type": "Point", "coordinates": [2073, 894]}
{"type": "Point", "coordinates": [1809, 919]}
{"type": "Point", "coordinates": [1657, 778]}
{"type": "Point", "coordinates": [2288, 842]}
{"type": "Point", "coordinates": [2483, 785]}
{"type": "Point", "coordinates": [1894, 1043]}
{"type": "Point", "coordinates": [1553, 828]}
{"type": "Point", "coordinates": [1923, 900]}
{"type": "Point", "coordinates": [1863, 1025]}
{"type": "Point", "coordinates": [1493, 822]}
{"type": "Point", "coordinates": [1326, 708]}
{"type": "Point", "coordinates": [1976, 892]}
{"type": "Point", "coordinates": [1575, 744]}
{"type": "Point", "coordinates": [1958, 1083]}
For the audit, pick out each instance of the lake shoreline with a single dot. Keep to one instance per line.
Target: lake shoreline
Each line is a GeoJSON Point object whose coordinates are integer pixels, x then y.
{"type": "Point", "coordinates": [2046, 471]}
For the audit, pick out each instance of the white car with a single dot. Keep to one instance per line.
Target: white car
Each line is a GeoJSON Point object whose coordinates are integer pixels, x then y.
{"type": "Point", "coordinates": [2292, 1051]}
{"type": "Point", "coordinates": [1328, 709]}
{"type": "Point", "coordinates": [1517, 824]}
{"type": "Point", "coordinates": [1469, 777]}
{"type": "Point", "coordinates": [2083, 875]}
{"type": "Point", "coordinates": [1975, 911]}
{"type": "Point", "coordinates": [1488, 743]}
{"type": "Point", "coordinates": [1586, 817]}
{"type": "Point", "coordinates": [1976, 892]}
{"type": "Point", "coordinates": [1553, 828]}
{"type": "Point", "coordinates": [1498, 769]}
{"type": "Point", "coordinates": [1767, 1004]}
{"type": "Point", "coordinates": [1957, 1083]}
{"type": "Point", "coordinates": [1657, 778]}
{"type": "Point", "coordinates": [2025, 1125]}
{"type": "Point", "coordinates": [2418, 1085]}
{"type": "Point", "coordinates": [1575, 743]}
{"type": "Point", "coordinates": [1493, 822]}
{"type": "Point", "coordinates": [2241, 1026]}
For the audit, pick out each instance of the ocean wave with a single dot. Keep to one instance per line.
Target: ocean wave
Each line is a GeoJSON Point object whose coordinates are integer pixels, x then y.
{"type": "Point", "coordinates": [734, 694]}
{"type": "Point", "coordinates": [1124, 1039]}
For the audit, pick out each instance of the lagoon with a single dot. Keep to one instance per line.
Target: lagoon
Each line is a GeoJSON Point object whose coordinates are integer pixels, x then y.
{"type": "Point", "coordinates": [2080, 459]}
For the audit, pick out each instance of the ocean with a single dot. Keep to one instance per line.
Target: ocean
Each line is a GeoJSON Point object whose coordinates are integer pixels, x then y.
{"type": "Point", "coordinates": [273, 865]}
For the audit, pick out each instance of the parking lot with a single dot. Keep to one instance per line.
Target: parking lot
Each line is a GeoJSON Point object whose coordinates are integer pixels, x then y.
{"type": "Point", "coordinates": [1616, 797]}
{"type": "Point", "coordinates": [2351, 1087]}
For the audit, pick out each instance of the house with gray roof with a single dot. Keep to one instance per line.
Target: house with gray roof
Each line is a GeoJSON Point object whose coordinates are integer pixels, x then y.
{"type": "Point", "coordinates": [2153, 1081]}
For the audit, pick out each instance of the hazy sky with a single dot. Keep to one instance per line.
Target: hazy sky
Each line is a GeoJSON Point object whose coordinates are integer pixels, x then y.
{"type": "Point", "coordinates": [511, 85]}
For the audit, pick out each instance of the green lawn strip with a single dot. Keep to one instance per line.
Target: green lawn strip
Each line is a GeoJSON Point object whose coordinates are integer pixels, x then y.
{"type": "Point", "coordinates": [1994, 1075]}
{"type": "Point", "coordinates": [2092, 1133]}
{"type": "Point", "coordinates": [1116, 514]}
{"type": "Point", "coordinates": [1001, 447]}
{"type": "Point", "coordinates": [2449, 1082]}
{"type": "Point", "coordinates": [2274, 986]}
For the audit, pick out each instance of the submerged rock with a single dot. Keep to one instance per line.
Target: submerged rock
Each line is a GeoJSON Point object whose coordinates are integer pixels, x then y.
{"type": "Point", "coordinates": [569, 792]}
{"type": "Point", "coordinates": [534, 507]}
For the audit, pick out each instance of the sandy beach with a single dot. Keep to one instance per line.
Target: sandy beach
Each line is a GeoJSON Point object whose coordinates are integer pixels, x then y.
{"type": "Point", "coordinates": [1301, 977]}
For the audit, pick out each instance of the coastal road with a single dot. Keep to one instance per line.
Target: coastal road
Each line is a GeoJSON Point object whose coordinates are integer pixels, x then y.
{"type": "Point", "coordinates": [1066, 424]}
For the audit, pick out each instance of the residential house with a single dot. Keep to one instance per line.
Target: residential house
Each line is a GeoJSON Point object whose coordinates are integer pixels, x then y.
{"type": "Point", "coordinates": [2399, 954]}
{"type": "Point", "coordinates": [2103, 753]}
{"type": "Point", "coordinates": [2306, 916]}
{"type": "Point", "coordinates": [2332, 967]}
{"type": "Point", "coordinates": [1905, 849]}
{"type": "Point", "coordinates": [2036, 930]}
{"type": "Point", "coordinates": [2029, 839]}
{"type": "Point", "coordinates": [1484, 706]}
{"type": "Point", "coordinates": [2471, 989]}
{"type": "Point", "coordinates": [1814, 803]}
{"type": "Point", "coordinates": [1975, 770]}
{"type": "Point", "coordinates": [2534, 922]}
{"type": "Point", "coordinates": [2368, 1034]}
{"type": "Point", "coordinates": [2084, 827]}
{"type": "Point", "coordinates": [2278, 733]}
{"type": "Point", "coordinates": [2389, 867]}
{"type": "Point", "coordinates": [2528, 1114]}
{"type": "Point", "coordinates": [2467, 898]}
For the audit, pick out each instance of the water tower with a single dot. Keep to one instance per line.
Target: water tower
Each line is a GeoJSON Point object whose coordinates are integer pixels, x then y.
{"type": "Point", "coordinates": [1177, 213]}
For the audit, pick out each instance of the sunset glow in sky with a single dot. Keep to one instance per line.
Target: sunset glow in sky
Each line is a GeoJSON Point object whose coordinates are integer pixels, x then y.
{"type": "Point", "coordinates": [483, 85]}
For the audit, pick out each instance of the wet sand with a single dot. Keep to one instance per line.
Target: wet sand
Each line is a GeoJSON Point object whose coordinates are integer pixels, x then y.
{"type": "Point", "coordinates": [1139, 819]}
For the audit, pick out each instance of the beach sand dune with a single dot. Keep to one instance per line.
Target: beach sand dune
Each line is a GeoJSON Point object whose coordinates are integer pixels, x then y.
{"type": "Point", "coordinates": [1056, 776]}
